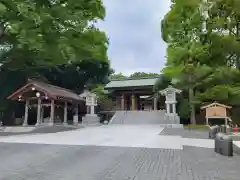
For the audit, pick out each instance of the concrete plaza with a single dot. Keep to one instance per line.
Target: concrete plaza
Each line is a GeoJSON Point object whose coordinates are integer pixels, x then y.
{"type": "Point", "coordinates": [114, 152]}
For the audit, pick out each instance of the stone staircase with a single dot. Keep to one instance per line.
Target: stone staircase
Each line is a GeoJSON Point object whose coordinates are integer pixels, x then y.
{"type": "Point", "coordinates": [118, 117]}
{"type": "Point", "coordinates": [143, 117]}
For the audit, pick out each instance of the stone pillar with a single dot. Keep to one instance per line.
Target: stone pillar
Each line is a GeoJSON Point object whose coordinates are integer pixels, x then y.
{"type": "Point", "coordinates": [75, 118]}
{"type": "Point", "coordinates": [168, 108]}
{"type": "Point", "coordinates": [155, 103]}
{"type": "Point", "coordinates": [38, 112]}
{"type": "Point", "coordinates": [51, 121]}
{"type": "Point", "coordinates": [174, 108]}
{"type": "Point", "coordinates": [25, 122]}
{"type": "Point", "coordinates": [133, 102]}
{"type": "Point", "coordinates": [92, 110]}
{"type": "Point", "coordinates": [123, 102]}
{"type": "Point", "coordinates": [65, 114]}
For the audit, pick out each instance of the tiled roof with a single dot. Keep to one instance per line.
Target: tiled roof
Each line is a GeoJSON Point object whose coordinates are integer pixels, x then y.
{"type": "Point", "coordinates": [52, 91]}
{"type": "Point", "coordinates": [58, 91]}
{"type": "Point", "coordinates": [132, 83]}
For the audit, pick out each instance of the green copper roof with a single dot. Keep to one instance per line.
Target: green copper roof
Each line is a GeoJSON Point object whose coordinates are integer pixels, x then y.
{"type": "Point", "coordinates": [132, 83]}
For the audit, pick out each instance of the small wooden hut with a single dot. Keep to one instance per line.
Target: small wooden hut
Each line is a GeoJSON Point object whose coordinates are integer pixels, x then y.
{"type": "Point", "coordinates": [217, 111]}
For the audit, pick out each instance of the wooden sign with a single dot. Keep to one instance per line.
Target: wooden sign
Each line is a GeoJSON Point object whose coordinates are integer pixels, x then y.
{"type": "Point", "coordinates": [216, 110]}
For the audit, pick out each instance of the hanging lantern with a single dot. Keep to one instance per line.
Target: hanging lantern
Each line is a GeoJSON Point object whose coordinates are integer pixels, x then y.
{"type": "Point", "coordinates": [38, 94]}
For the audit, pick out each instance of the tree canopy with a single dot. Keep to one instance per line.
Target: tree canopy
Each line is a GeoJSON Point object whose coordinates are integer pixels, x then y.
{"type": "Point", "coordinates": [204, 50]}
{"type": "Point", "coordinates": [53, 40]}
{"type": "Point", "coordinates": [47, 33]}
{"type": "Point", "coordinates": [134, 75]}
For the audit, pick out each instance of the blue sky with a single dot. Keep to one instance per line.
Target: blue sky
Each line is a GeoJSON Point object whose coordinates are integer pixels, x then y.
{"type": "Point", "coordinates": [133, 27]}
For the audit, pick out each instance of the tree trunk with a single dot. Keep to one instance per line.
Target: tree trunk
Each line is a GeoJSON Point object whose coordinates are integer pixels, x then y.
{"type": "Point", "coordinates": [192, 106]}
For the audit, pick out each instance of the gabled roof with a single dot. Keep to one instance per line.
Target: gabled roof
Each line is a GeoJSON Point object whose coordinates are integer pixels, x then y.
{"type": "Point", "coordinates": [215, 104]}
{"type": "Point", "coordinates": [51, 91]}
{"type": "Point", "coordinates": [132, 82]}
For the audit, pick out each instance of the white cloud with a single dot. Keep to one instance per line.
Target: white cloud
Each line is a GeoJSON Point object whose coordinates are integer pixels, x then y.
{"type": "Point", "coordinates": [135, 34]}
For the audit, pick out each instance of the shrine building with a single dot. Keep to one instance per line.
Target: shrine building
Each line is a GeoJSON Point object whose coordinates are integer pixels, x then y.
{"type": "Point", "coordinates": [134, 93]}
{"type": "Point", "coordinates": [51, 104]}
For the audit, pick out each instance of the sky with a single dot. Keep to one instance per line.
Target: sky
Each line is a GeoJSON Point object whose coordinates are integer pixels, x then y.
{"type": "Point", "coordinates": [134, 31]}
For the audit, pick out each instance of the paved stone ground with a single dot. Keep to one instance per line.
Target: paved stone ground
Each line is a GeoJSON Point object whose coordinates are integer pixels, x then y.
{"type": "Point", "coordinates": [145, 136]}
{"type": "Point", "coordinates": [186, 133]}
{"type": "Point", "coordinates": [61, 162]}
{"type": "Point", "coordinates": [196, 134]}
{"type": "Point", "coordinates": [113, 153]}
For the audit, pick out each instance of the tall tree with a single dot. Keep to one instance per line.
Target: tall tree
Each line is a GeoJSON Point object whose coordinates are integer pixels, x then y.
{"type": "Point", "coordinates": [46, 33]}
{"type": "Point", "coordinates": [203, 48]}
{"type": "Point", "coordinates": [182, 30]}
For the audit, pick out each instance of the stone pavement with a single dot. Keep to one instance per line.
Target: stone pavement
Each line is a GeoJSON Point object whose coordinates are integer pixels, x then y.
{"type": "Point", "coordinates": [185, 133]}
{"type": "Point", "coordinates": [146, 136]}
{"type": "Point", "coordinates": [113, 153]}
{"type": "Point", "coordinates": [62, 162]}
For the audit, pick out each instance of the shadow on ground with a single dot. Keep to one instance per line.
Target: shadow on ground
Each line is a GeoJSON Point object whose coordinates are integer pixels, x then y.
{"type": "Point", "coordinates": [185, 133]}
{"type": "Point", "coordinates": [42, 130]}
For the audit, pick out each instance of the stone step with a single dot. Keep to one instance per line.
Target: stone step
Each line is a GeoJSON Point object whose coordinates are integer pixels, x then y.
{"type": "Point", "coordinates": [141, 117]}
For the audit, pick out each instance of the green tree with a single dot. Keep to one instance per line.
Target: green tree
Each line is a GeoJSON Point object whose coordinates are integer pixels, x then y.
{"type": "Point", "coordinates": [47, 33]}
{"type": "Point", "coordinates": [182, 30]}
{"type": "Point", "coordinates": [118, 76]}
{"type": "Point", "coordinates": [203, 49]}
{"type": "Point", "coordinates": [142, 74]}
{"type": "Point", "coordinates": [51, 40]}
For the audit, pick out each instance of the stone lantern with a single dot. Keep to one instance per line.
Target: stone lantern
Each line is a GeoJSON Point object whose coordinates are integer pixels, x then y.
{"type": "Point", "coordinates": [171, 115]}
{"type": "Point", "coordinates": [91, 117]}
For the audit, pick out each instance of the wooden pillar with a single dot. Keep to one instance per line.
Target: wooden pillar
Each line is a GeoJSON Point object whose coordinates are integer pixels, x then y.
{"type": "Point", "coordinates": [51, 122]}
{"type": "Point", "coordinates": [65, 114]}
{"type": "Point", "coordinates": [42, 114]}
{"type": "Point", "coordinates": [25, 122]}
{"type": "Point", "coordinates": [133, 102]}
{"type": "Point", "coordinates": [123, 102]}
{"type": "Point", "coordinates": [38, 112]}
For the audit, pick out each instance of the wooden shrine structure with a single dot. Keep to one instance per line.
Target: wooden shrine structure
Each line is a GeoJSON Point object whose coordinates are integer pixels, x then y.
{"type": "Point", "coordinates": [42, 95]}
{"type": "Point", "coordinates": [217, 111]}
